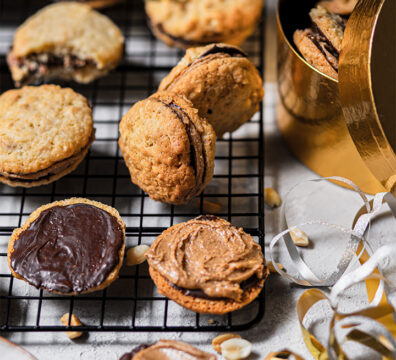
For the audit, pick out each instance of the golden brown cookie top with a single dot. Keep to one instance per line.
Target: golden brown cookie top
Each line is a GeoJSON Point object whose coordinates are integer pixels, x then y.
{"type": "Point", "coordinates": [69, 246]}
{"type": "Point", "coordinates": [207, 254]}
{"type": "Point", "coordinates": [203, 21]}
{"type": "Point", "coordinates": [221, 82]}
{"type": "Point", "coordinates": [171, 350]}
{"type": "Point", "coordinates": [167, 147]}
{"type": "Point", "coordinates": [40, 126]}
{"type": "Point", "coordinates": [341, 7]}
{"type": "Point", "coordinates": [70, 28]}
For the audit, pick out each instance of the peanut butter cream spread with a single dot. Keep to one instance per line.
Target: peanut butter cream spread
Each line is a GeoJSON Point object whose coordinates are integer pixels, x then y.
{"type": "Point", "coordinates": [207, 254]}
{"type": "Point", "coordinates": [172, 350]}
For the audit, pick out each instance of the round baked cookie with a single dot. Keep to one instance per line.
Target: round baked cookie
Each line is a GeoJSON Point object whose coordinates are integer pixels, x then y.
{"type": "Point", "coordinates": [45, 132]}
{"type": "Point", "coordinates": [73, 246]}
{"type": "Point", "coordinates": [199, 22]}
{"type": "Point", "coordinates": [66, 40]}
{"type": "Point", "coordinates": [168, 148]}
{"type": "Point", "coordinates": [340, 7]}
{"type": "Point", "coordinates": [167, 350]}
{"type": "Point", "coordinates": [96, 3]}
{"type": "Point", "coordinates": [221, 82]}
{"type": "Point", "coordinates": [207, 265]}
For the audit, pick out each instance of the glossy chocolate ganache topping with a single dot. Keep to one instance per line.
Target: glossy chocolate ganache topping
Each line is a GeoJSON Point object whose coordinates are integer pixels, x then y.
{"type": "Point", "coordinates": [68, 248]}
{"type": "Point", "coordinates": [207, 254]}
{"type": "Point", "coordinates": [167, 350]}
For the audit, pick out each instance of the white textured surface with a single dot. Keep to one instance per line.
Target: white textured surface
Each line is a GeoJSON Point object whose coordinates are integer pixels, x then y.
{"type": "Point", "coordinates": [279, 328]}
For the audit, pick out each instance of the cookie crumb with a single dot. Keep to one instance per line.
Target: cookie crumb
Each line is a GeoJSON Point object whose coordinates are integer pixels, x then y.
{"type": "Point", "coordinates": [271, 267]}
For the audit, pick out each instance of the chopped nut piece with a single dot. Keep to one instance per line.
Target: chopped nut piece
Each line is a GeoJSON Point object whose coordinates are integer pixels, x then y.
{"type": "Point", "coordinates": [272, 198]}
{"type": "Point", "coordinates": [74, 321]}
{"type": "Point", "coordinates": [271, 267]}
{"type": "Point", "coordinates": [212, 322]}
{"type": "Point", "coordinates": [217, 341]}
{"type": "Point", "coordinates": [136, 255]}
{"type": "Point", "coordinates": [299, 237]}
{"type": "Point", "coordinates": [236, 349]}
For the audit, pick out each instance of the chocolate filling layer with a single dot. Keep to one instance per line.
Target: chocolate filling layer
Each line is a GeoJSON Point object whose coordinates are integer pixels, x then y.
{"type": "Point", "coordinates": [228, 50]}
{"type": "Point", "coordinates": [198, 158]}
{"type": "Point", "coordinates": [245, 285]}
{"type": "Point", "coordinates": [180, 40]}
{"type": "Point", "coordinates": [68, 248]}
{"type": "Point", "coordinates": [40, 64]}
{"type": "Point", "coordinates": [324, 46]}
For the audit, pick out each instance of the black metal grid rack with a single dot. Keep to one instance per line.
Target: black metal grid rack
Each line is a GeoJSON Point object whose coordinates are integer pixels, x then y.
{"type": "Point", "coordinates": [132, 302]}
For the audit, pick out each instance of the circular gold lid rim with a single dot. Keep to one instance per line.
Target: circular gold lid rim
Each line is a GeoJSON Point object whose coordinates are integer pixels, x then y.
{"type": "Point", "coordinates": [356, 92]}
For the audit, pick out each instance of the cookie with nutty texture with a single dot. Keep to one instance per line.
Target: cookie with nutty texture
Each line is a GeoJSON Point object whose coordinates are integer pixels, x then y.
{"type": "Point", "coordinates": [320, 45]}
{"type": "Point", "coordinates": [71, 247]}
{"type": "Point", "coordinates": [167, 350]}
{"type": "Point", "coordinates": [199, 22]}
{"type": "Point", "coordinates": [207, 265]}
{"type": "Point", "coordinates": [66, 40]}
{"type": "Point", "coordinates": [96, 3]}
{"type": "Point", "coordinates": [340, 7]}
{"type": "Point", "coordinates": [221, 82]}
{"type": "Point", "coordinates": [168, 148]}
{"type": "Point", "coordinates": [45, 132]}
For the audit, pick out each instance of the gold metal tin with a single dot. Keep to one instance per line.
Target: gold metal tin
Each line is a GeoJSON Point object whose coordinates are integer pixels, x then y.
{"type": "Point", "coordinates": [336, 129]}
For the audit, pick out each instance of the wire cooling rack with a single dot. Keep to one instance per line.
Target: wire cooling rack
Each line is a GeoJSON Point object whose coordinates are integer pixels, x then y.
{"type": "Point", "coordinates": [132, 303]}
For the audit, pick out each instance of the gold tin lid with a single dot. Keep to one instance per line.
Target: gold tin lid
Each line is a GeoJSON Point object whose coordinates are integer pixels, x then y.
{"type": "Point", "coordinates": [367, 85]}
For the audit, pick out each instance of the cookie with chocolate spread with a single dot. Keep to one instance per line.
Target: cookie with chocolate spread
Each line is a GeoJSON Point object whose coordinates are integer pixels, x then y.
{"type": "Point", "coordinates": [221, 82]}
{"type": "Point", "coordinates": [45, 132]}
{"type": "Point", "coordinates": [207, 265]}
{"type": "Point", "coordinates": [167, 350]}
{"type": "Point", "coordinates": [71, 247]}
{"type": "Point", "coordinates": [68, 41]}
{"type": "Point", "coordinates": [321, 44]}
{"type": "Point", "coordinates": [96, 3]}
{"type": "Point", "coordinates": [168, 148]}
{"type": "Point", "coordinates": [199, 22]}
{"type": "Point", "coordinates": [340, 7]}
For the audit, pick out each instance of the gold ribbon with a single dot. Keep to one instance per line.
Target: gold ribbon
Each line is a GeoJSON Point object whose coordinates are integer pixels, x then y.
{"type": "Point", "coordinates": [383, 343]}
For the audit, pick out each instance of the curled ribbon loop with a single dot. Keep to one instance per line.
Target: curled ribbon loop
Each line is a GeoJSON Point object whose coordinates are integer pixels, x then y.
{"type": "Point", "coordinates": [379, 338]}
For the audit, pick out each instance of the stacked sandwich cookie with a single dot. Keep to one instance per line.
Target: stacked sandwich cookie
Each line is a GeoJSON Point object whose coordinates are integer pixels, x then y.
{"type": "Point", "coordinates": [45, 133]}
{"type": "Point", "coordinates": [96, 3]}
{"type": "Point", "coordinates": [68, 41]}
{"type": "Point", "coordinates": [200, 22]}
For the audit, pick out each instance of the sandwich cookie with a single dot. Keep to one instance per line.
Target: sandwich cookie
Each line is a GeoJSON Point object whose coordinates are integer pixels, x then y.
{"type": "Point", "coordinates": [167, 350]}
{"type": "Point", "coordinates": [321, 44]}
{"type": "Point", "coordinates": [207, 265]}
{"type": "Point", "coordinates": [340, 7]}
{"type": "Point", "coordinates": [168, 148]}
{"type": "Point", "coordinates": [45, 132]}
{"type": "Point", "coordinates": [68, 41]}
{"type": "Point", "coordinates": [96, 3]}
{"type": "Point", "coordinates": [200, 22]}
{"type": "Point", "coordinates": [221, 82]}
{"type": "Point", "coordinates": [70, 247]}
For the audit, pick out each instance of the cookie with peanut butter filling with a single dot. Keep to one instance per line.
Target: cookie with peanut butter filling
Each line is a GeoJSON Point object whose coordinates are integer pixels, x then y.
{"type": "Point", "coordinates": [221, 82]}
{"type": "Point", "coordinates": [45, 133]}
{"type": "Point", "coordinates": [66, 40]}
{"type": "Point", "coordinates": [168, 148]}
{"type": "Point", "coordinates": [207, 265]}
{"type": "Point", "coordinates": [167, 350]}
